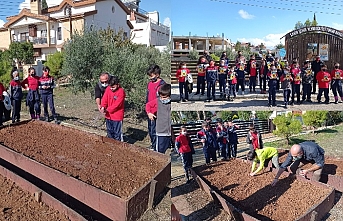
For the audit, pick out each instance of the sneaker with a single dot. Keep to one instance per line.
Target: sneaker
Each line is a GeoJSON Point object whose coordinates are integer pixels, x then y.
{"type": "Point", "coordinates": [185, 100]}
{"type": "Point", "coordinates": [202, 94]}
{"type": "Point", "coordinates": [327, 102]}
{"type": "Point", "coordinates": [17, 120]}
{"type": "Point", "coordinates": [309, 101]}
{"type": "Point", "coordinates": [274, 105]}
{"type": "Point", "coordinates": [57, 122]}
{"type": "Point", "coordinates": [269, 105]}
{"type": "Point", "coordinates": [196, 93]}
{"type": "Point", "coordinates": [46, 119]}
{"type": "Point", "coordinates": [242, 92]}
{"type": "Point", "coordinates": [319, 102]}
{"type": "Point", "coordinates": [336, 102]}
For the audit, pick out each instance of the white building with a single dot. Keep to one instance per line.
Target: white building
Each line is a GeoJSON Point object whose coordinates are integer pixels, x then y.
{"type": "Point", "coordinates": [147, 27]}
{"type": "Point", "coordinates": [48, 29]}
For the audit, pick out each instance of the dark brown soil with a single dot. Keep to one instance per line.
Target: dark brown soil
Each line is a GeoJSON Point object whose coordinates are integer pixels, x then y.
{"type": "Point", "coordinates": [286, 201]}
{"type": "Point", "coordinates": [115, 169]}
{"type": "Point", "coordinates": [333, 166]}
{"type": "Point", "coordinates": [17, 204]}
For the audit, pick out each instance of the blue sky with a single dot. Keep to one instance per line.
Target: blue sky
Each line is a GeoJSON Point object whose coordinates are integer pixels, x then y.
{"type": "Point", "coordinates": [246, 21]}
{"type": "Point", "coordinates": [249, 23]}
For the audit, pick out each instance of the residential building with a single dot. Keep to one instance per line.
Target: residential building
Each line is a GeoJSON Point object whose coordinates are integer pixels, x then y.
{"type": "Point", "coordinates": [50, 28]}
{"type": "Point", "coordinates": [147, 27]}
{"type": "Point", "coordinates": [182, 45]}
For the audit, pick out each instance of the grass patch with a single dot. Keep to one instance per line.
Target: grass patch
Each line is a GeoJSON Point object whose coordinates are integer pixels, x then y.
{"type": "Point", "coordinates": [329, 139]}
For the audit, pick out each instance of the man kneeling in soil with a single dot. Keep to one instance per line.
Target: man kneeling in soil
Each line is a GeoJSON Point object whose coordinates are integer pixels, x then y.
{"type": "Point", "coordinates": [300, 154]}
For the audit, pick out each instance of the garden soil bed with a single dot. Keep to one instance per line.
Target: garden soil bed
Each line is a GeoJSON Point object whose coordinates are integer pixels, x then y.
{"type": "Point", "coordinates": [17, 204]}
{"type": "Point", "coordinates": [115, 169]}
{"type": "Point", "coordinates": [287, 201]}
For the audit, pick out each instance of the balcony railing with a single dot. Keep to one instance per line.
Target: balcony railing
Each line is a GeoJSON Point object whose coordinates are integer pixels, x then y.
{"type": "Point", "coordinates": [38, 40]}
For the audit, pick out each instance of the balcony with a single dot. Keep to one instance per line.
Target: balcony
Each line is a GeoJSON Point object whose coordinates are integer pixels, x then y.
{"type": "Point", "coordinates": [38, 42]}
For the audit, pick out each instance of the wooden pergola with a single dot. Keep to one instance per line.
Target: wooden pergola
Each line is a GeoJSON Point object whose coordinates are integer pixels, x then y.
{"type": "Point", "coordinates": [308, 42]}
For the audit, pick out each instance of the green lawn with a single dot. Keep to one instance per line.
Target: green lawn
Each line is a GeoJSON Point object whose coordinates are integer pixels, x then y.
{"type": "Point", "coordinates": [329, 139]}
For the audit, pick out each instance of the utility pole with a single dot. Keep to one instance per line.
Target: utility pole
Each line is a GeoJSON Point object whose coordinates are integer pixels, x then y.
{"type": "Point", "coordinates": [70, 22]}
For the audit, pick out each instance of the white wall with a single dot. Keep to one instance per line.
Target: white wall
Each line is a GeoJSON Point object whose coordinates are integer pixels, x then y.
{"type": "Point", "coordinates": [26, 21]}
{"type": "Point", "coordinates": [152, 33]}
{"type": "Point", "coordinates": [105, 17]}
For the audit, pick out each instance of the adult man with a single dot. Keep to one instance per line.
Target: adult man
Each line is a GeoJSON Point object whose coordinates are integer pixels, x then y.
{"type": "Point", "coordinates": [316, 67]}
{"type": "Point", "coordinates": [207, 56]}
{"type": "Point", "coordinates": [300, 154]}
{"type": "Point", "coordinates": [100, 87]}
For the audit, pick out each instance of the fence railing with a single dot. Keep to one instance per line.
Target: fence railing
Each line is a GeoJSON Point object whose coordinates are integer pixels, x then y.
{"type": "Point", "coordinates": [263, 126]}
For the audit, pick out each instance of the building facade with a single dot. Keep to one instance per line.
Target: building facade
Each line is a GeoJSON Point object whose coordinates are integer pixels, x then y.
{"type": "Point", "coordinates": [50, 28]}
{"type": "Point", "coordinates": [147, 27]}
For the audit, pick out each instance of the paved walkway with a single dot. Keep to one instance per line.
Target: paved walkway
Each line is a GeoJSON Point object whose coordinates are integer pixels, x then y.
{"type": "Point", "coordinates": [246, 102]}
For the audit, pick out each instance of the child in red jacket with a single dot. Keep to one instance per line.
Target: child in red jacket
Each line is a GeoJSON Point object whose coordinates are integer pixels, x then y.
{"type": "Point", "coordinates": [232, 81]}
{"type": "Point", "coordinates": [185, 148]}
{"type": "Point", "coordinates": [33, 96]}
{"type": "Point", "coordinates": [112, 105]}
{"type": "Point", "coordinates": [336, 84]}
{"type": "Point", "coordinates": [252, 71]}
{"type": "Point", "coordinates": [296, 75]}
{"type": "Point", "coordinates": [181, 75]}
{"type": "Point", "coordinates": [323, 78]}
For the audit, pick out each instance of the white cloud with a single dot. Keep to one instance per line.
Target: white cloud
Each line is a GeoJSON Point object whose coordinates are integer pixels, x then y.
{"type": "Point", "coordinates": [269, 40]}
{"type": "Point", "coordinates": [2, 22]}
{"type": "Point", "coordinates": [25, 4]}
{"type": "Point", "coordinates": [245, 14]}
{"type": "Point", "coordinates": [337, 26]}
{"type": "Point", "coordinates": [167, 22]}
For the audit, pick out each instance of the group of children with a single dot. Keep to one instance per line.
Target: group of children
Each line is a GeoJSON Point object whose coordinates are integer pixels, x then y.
{"type": "Point", "coordinates": [40, 89]}
{"type": "Point", "coordinates": [270, 72]}
{"type": "Point", "coordinates": [221, 139]}
{"type": "Point", "coordinates": [110, 98]}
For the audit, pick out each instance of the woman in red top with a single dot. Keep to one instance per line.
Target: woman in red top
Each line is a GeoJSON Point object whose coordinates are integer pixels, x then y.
{"type": "Point", "coordinates": [336, 84]}
{"type": "Point", "coordinates": [33, 97]}
{"type": "Point", "coordinates": [323, 78]}
{"type": "Point", "coordinates": [2, 105]}
{"type": "Point", "coordinates": [185, 148]}
{"type": "Point", "coordinates": [181, 75]}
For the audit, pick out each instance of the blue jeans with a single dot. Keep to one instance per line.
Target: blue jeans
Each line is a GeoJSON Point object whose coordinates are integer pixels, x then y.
{"type": "Point", "coordinates": [307, 88]}
{"type": "Point", "coordinates": [163, 143]}
{"type": "Point", "coordinates": [272, 95]}
{"type": "Point", "coordinates": [286, 95]}
{"type": "Point", "coordinates": [48, 99]}
{"type": "Point", "coordinates": [222, 83]}
{"type": "Point", "coordinates": [211, 85]}
{"type": "Point", "coordinates": [201, 84]}
{"type": "Point", "coordinates": [152, 132]}
{"type": "Point", "coordinates": [183, 86]}
{"type": "Point", "coordinates": [114, 129]}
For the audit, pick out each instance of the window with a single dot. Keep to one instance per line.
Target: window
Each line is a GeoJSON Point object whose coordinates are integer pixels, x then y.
{"type": "Point", "coordinates": [59, 33]}
{"type": "Point", "coordinates": [43, 33]}
{"type": "Point", "coordinates": [32, 30]}
{"type": "Point", "coordinates": [24, 36]}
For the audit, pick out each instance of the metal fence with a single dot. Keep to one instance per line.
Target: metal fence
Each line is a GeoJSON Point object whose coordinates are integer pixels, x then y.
{"type": "Point", "coordinates": [263, 126]}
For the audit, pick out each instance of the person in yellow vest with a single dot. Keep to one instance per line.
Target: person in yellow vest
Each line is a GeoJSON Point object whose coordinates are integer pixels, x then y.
{"type": "Point", "coordinates": [261, 155]}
